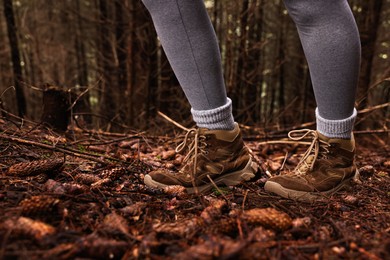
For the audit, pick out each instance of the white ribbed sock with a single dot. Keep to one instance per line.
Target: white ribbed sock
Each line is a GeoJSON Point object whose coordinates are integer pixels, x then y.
{"type": "Point", "coordinates": [341, 128]}
{"type": "Point", "coordinates": [220, 118]}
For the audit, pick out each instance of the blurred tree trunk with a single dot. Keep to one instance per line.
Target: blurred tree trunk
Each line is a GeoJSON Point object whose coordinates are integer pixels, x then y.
{"type": "Point", "coordinates": [369, 34]}
{"type": "Point", "coordinates": [256, 56]}
{"type": "Point", "coordinates": [121, 53]}
{"type": "Point", "coordinates": [83, 105]}
{"type": "Point", "coordinates": [82, 68]}
{"type": "Point", "coordinates": [15, 56]}
{"type": "Point", "coordinates": [108, 82]}
{"type": "Point", "coordinates": [240, 82]}
{"type": "Point", "coordinates": [144, 69]}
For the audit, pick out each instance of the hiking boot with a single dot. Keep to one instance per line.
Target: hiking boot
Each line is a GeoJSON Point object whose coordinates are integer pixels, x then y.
{"type": "Point", "coordinates": [326, 167]}
{"type": "Point", "coordinates": [215, 157]}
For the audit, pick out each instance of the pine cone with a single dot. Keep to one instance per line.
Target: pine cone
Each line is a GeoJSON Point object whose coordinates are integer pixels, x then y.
{"type": "Point", "coordinates": [87, 178]}
{"type": "Point", "coordinates": [225, 226]}
{"type": "Point", "coordinates": [28, 227]}
{"type": "Point", "coordinates": [180, 228]}
{"type": "Point", "coordinates": [40, 178]}
{"type": "Point", "coordinates": [38, 205]}
{"type": "Point", "coordinates": [134, 211]}
{"type": "Point", "coordinates": [214, 211]}
{"type": "Point", "coordinates": [260, 234]}
{"type": "Point", "coordinates": [100, 183]}
{"type": "Point", "coordinates": [94, 247]}
{"type": "Point", "coordinates": [35, 167]}
{"type": "Point", "coordinates": [176, 191]}
{"type": "Point", "coordinates": [269, 218]}
{"type": "Point", "coordinates": [61, 251]}
{"type": "Point", "coordinates": [113, 173]}
{"type": "Point", "coordinates": [114, 222]}
{"type": "Point", "coordinates": [214, 248]}
{"type": "Point", "coordinates": [74, 188]}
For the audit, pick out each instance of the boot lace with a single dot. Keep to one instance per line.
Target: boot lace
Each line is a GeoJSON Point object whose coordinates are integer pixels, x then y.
{"type": "Point", "coordinates": [195, 147]}
{"type": "Point", "coordinates": [317, 149]}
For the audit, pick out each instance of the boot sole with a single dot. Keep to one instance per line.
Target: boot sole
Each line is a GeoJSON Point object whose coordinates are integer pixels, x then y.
{"type": "Point", "coordinates": [305, 196]}
{"type": "Point", "coordinates": [229, 179]}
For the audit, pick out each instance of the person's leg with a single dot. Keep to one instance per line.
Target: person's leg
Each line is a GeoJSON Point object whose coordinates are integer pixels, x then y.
{"type": "Point", "coordinates": [330, 40]}
{"type": "Point", "coordinates": [217, 151]}
{"type": "Point", "coordinates": [331, 43]}
{"type": "Point", "coordinates": [190, 43]}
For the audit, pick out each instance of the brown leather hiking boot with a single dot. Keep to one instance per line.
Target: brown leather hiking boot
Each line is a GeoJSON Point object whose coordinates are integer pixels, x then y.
{"type": "Point", "coordinates": [218, 155]}
{"type": "Point", "coordinates": [326, 167]}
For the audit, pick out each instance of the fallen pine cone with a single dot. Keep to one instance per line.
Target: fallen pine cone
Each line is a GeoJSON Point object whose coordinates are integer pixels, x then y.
{"type": "Point", "coordinates": [100, 183]}
{"type": "Point", "coordinates": [114, 223]}
{"type": "Point", "coordinates": [214, 248]}
{"type": "Point", "coordinates": [214, 211]}
{"type": "Point", "coordinates": [96, 247]}
{"type": "Point", "coordinates": [61, 251]}
{"type": "Point", "coordinates": [68, 187]}
{"type": "Point", "coordinates": [260, 234]}
{"type": "Point", "coordinates": [28, 227]}
{"type": "Point", "coordinates": [40, 178]}
{"type": "Point", "coordinates": [38, 205]}
{"type": "Point", "coordinates": [113, 173]}
{"type": "Point", "coordinates": [176, 191]}
{"type": "Point", "coordinates": [134, 211]}
{"type": "Point", "coordinates": [269, 218]}
{"type": "Point", "coordinates": [224, 225]}
{"type": "Point", "coordinates": [180, 228]}
{"type": "Point", "coordinates": [35, 167]}
{"type": "Point", "coordinates": [87, 178]}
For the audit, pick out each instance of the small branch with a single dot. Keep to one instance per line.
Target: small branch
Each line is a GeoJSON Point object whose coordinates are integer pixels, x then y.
{"type": "Point", "coordinates": [283, 142]}
{"type": "Point", "coordinates": [100, 132]}
{"type": "Point", "coordinates": [172, 121]}
{"type": "Point", "coordinates": [374, 131]}
{"type": "Point", "coordinates": [65, 150]}
{"type": "Point", "coordinates": [369, 109]}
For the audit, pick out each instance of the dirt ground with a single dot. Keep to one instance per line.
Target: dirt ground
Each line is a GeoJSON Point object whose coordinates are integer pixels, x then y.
{"type": "Point", "coordinates": [81, 195]}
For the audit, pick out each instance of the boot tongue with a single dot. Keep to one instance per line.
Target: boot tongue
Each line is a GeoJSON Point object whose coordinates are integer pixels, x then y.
{"type": "Point", "coordinates": [346, 144]}
{"type": "Point", "coordinates": [224, 135]}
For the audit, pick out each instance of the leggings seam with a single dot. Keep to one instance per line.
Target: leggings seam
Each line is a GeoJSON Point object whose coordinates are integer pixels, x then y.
{"type": "Point", "coordinates": [192, 50]}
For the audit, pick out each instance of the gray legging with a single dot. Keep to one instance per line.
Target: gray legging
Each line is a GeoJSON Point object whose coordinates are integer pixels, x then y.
{"type": "Point", "coordinates": [327, 30]}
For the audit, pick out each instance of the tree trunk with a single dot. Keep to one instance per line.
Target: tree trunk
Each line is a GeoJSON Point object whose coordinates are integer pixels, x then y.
{"type": "Point", "coordinates": [14, 45]}
{"type": "Point", "coordinates": [83, 105]}
{"type": "Point", "coordinates": [240, 80]}
{"type": "Point", "coordinates": [368, 38]}
{"type": "Point", "coordinates": [56, 108]}
{"type": "Point", "coordinates": [108, 84]}
{"type": "Point", "coordinates": [121, 53]}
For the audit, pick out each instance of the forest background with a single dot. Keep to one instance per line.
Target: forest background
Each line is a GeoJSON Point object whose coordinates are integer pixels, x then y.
{"type": "Point", "coordinates": [106, 56]}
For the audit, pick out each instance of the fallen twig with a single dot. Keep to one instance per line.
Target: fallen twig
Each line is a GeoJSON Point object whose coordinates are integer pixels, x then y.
{"type": "Point", "coordinates": [65, 150]}
{"type": "Point", "coordinates": [172, 121]}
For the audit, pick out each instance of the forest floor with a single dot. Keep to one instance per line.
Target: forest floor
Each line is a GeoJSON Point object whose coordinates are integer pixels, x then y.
{"type": "Point", "coordinates": [81, 195]}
